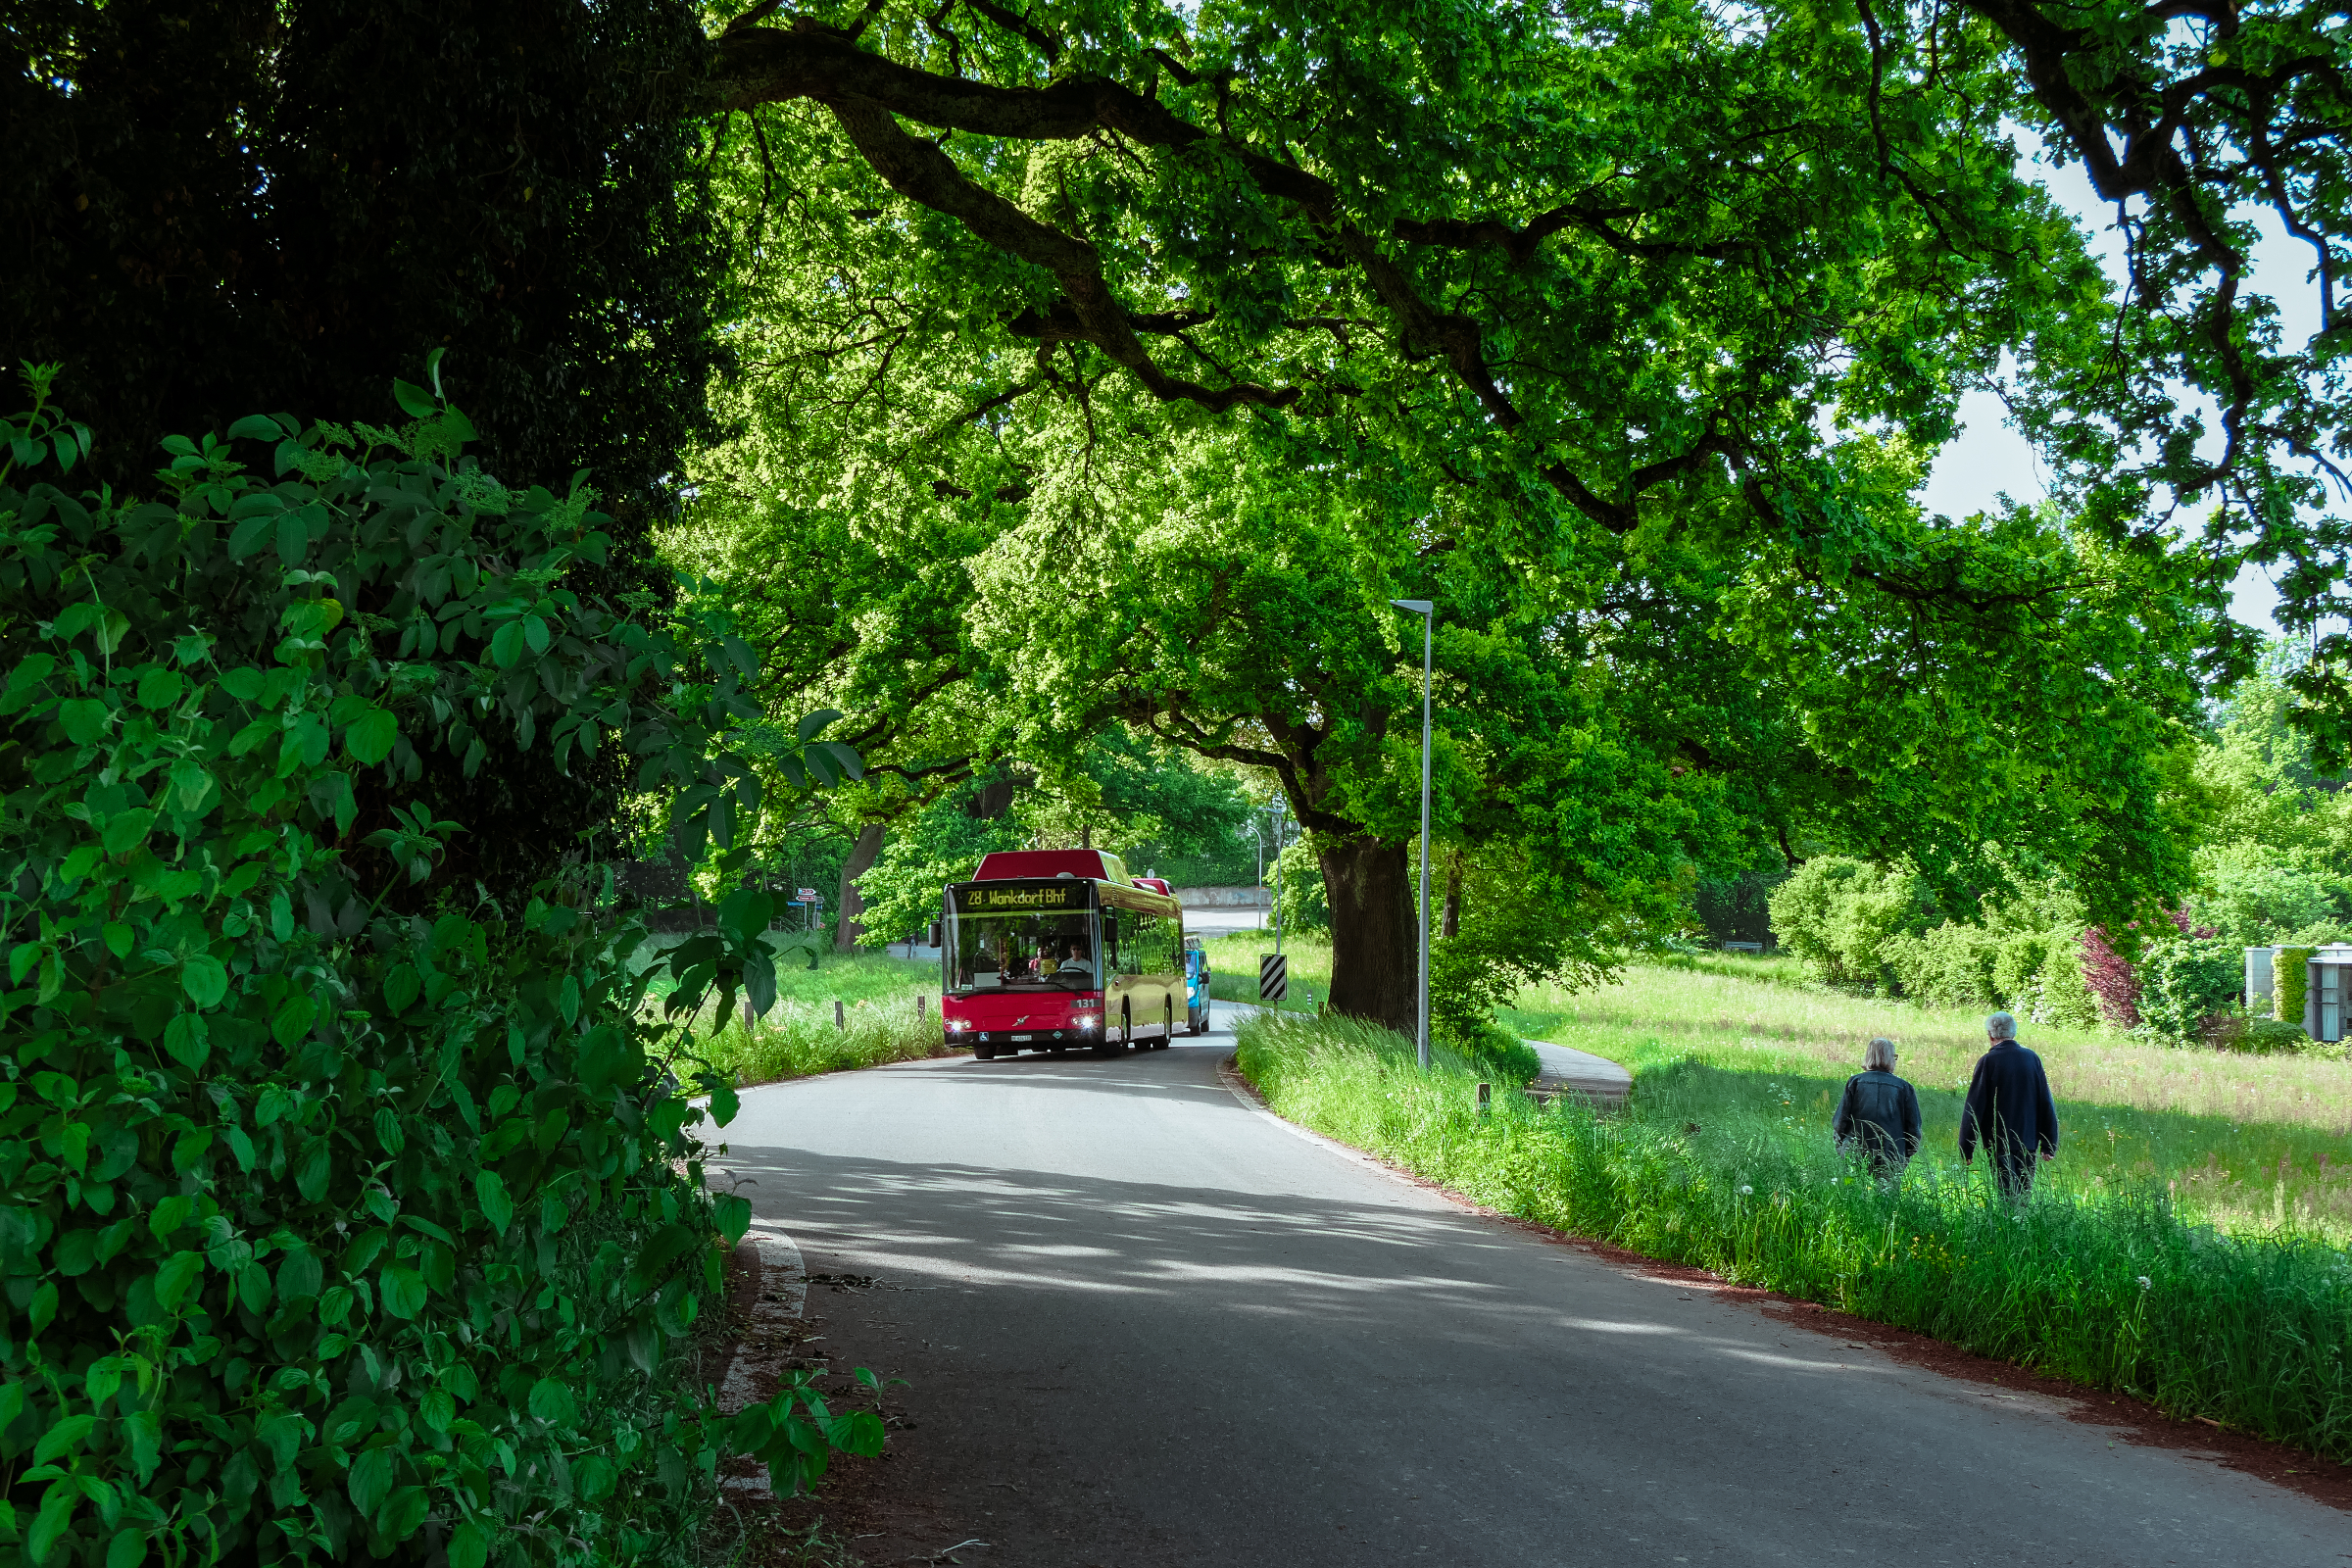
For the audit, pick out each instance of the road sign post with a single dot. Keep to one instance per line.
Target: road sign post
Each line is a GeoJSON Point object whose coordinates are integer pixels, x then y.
{"type": "Point", "coordinates": [1273, 977]}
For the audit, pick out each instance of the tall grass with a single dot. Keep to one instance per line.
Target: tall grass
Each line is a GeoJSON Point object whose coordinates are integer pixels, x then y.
{"type": "Point", "coordinates": [889, 1006]}
{"type": "Point", "coordinates": [2241, 1141]}
{"type": "Point", "coordinates": [2114, 1288]}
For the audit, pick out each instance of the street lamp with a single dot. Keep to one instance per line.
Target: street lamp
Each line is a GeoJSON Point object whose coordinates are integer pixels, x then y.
{"type": "Point", "coordinates": [1428, 619]}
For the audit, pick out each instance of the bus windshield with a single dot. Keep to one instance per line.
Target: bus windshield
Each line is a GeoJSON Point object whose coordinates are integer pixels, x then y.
{"type": "Point", "coordinates": [1022, 938]}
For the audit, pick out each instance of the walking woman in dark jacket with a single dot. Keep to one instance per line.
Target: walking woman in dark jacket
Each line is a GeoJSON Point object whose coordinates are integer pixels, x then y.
{"type": "Point", "coordinates": [1879, 1116]}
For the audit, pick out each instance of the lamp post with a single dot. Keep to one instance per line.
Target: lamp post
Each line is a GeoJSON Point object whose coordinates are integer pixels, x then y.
{"type": "Point", "coordinates": [1428, 619]}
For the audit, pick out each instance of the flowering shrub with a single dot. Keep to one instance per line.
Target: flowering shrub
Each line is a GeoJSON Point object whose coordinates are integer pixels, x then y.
{"type": "Point", "coordinates": [341, 1212]}
{"type": "Point", "coordinates": [2114, 983]}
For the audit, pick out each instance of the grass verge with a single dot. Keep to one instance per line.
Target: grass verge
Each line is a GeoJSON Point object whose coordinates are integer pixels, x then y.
{"type": "Point", "coordinates": [2112, 1288]}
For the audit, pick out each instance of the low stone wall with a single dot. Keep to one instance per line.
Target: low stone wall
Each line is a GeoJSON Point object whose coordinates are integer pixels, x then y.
{"type": "Point", "coordinates": [1225, 898]}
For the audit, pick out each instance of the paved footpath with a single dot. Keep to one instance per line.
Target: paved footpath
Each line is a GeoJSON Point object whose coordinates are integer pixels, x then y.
{"type": "Point", "coordinates": [1144, 1322]}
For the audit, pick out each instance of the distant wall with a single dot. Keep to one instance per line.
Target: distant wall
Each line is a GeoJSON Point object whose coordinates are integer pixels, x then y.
{"type": "Point", "coordinates": [1225, 898]}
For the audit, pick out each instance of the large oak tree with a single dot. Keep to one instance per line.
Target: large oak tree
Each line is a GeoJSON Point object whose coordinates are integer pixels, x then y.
{"type": "Point", "coordinates": [1621, 331]}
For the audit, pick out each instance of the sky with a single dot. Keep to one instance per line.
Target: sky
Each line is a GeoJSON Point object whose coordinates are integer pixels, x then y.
{"type": "Point", "coordinates": [1990, 458]}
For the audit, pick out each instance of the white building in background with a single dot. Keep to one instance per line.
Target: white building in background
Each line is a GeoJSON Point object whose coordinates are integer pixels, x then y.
{"type": "Point", "coordinates": [2325, 992]}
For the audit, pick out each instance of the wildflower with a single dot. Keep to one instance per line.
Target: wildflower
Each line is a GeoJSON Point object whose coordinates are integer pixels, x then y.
{"type": "Point", "coordinates": [1746, 1190]}
{"type": "Point", "coordinates": [2146, 1284]}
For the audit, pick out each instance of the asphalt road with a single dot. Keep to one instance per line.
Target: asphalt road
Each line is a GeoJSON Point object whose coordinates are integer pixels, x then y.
{"type": "Point", "coordinates": [1143, 1322]}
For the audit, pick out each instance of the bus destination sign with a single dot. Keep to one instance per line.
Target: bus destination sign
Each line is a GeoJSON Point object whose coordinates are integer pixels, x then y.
{"type": "Point", "coordinates": [1065, 896]}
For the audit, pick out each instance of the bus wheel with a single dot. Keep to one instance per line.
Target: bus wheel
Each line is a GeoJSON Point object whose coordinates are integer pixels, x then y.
{"type": "Point", "coordinates": [1202, 1027]}
{"type": "Point", "coordinates": [1126, 1036]}
{"type": "Point", "coordinates": [985, 1053]}
{"type": "Point", "coordinates": [1167, 1024]}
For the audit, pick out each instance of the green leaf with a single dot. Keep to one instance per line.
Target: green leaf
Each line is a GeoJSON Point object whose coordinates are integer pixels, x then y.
{"type": "Point", "coordinates": [437, 1409]}
{"type": "Point", "coordinates": [248, 536]}
{"type": "Point", "coordinates": [84, 720]}
{"type": "Point", "coordinates": [300, 1276]}
{"type": "Point", "coordinates": [534, 633]}
{"type": "Point", "coordinates": [255, 427]}
{"type": "Point", "coordinates": [311, 1173]}
{"type": "Point", "coordinates": [128, 1550]}
{"type": "Point", "coordinates": [662, 1249]}
{"type": "Point", "coordinates": [490, 1190]}
{"type": "Point", "coordinates": [595, 1475]}
{"type": "Point", "coordinates": [469, 1546]}
{"type": "Point", "coordinates": [50, 1523]}
{"type": "Point", "coordinates": [293, 1020]}
{"type": "Point", "coordinates": [405, 1513]}
{"type": "Point", "coordinates": [400, 988]}
{"type": "Point", "coordinates": [387, 1131]}
{"type": "Point", "coordinates": [551, 1403]}
{"type": "Point", "coordinates": [185, 1037]}
{"type": "Point", "coordinates": [282, 1434]}
{"type": "Point", "coordinates": [63, 1437]}
{"type": "Point", "coordinates": [190, 783]}
{"type": "Point", "coordinates": [402, 1291]}
{"type": "Point", "coordinates": [814, 722]}
{"type": "Point", "coordinates": [175, 1282]}
{"type": "Point", "coordinates": [370, 736]}
{"type": "Point", "coordinates": [127, 830]}
{"type": "Point", "coordinates": [205, 979]}
{"type": "Point", "coordinates": [370, 1482]}
{"type": "Point", "coordinates": [160, 687]}
{"type": "Point", "coordinates": [733, 1214]}
{"type": "Point", "coordinates": [506, 645]}
{"type": "Point", "coordinates": [75, 1253]}
{"type": "Point", "coordinates": [253, 1287]}
{"type": "Point", "coordinates": [858, 1432]}
{"type": "Point", "coordinates": [416, 403]}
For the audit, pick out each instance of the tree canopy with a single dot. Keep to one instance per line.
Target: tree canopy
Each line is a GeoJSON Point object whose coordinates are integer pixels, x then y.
{"type": "Point", "coordinates": [1182, 341]}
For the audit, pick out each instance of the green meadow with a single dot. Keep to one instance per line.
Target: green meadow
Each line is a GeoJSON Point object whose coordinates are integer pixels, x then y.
{"type": "Point", "coordinates": [2244, 1142]}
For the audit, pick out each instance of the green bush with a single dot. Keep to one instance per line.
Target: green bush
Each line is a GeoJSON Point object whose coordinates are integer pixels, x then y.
{"type": "Point", "coordinates": [345, 1213]}
{"type": "Point", "coordinates": [2276, 1034]}
{"type": "Point", "coordinates": [1854, 923]}
{"type": "Point", "coordinates": [2063, 997]}
{"type": "Point", "coordinates": [2185, 981]}
{"type": "Point", "coordinates": [1950, 964]}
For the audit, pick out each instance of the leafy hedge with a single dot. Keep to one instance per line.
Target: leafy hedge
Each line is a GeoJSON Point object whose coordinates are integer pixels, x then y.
{"type": "Point", "coordinates": [345, 1212]}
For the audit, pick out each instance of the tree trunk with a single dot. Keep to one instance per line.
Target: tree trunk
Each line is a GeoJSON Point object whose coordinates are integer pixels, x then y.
{"type": "Point", "coordinates": [1369, 886]}
{"type": "Point", "coordinates": [1451, 924]}
{"type": "Point", "coordinates": [860, 860]}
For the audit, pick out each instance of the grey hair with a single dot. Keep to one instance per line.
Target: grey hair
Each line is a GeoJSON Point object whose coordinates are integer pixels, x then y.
{"type": "Point", "coordinates": [1878, 1056]}
{"type": "Point", "coordinates": [2001, 1026]}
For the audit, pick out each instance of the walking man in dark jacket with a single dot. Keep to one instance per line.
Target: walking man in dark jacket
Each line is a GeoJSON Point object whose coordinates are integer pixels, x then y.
{"type": "Point", "coordinates": [1879, 1116]}
{"type": "Point", "coordinates": [2009, 1110]}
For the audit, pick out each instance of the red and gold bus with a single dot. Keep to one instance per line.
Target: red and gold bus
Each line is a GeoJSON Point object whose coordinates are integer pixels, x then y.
{"type": "Point", "coordinates": [1062, 950]}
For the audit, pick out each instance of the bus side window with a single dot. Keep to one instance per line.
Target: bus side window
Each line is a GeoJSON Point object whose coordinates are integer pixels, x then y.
{"type": "Point", "coordinates": [1110, 942]}
{"type": "Point", "coordinates": [1142, 929]}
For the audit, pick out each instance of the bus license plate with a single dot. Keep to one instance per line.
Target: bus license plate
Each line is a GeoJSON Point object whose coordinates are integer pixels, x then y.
{"type": "Point", "coordinates": [1022, 1037]}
